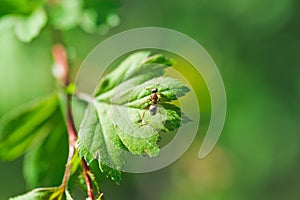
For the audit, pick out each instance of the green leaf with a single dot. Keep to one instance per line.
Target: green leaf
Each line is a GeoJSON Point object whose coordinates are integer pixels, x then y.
{"type": "Point", "coordinates": [91, 16]}
{"type": "Point", "coordinates": [119, 119]}
{"type": "Point", "coordinates": [28, 27]}
{"type": "Point", "coordinates": [43, 159]}
{"type": "Point", "coordinates": [95, 141]}
{"type": "Point", "coordinates": [38, 194]}
{"type": "Point", "coordinates": [52, 193]}
{"type": "Point", "coordinates": [26, 127]}
{"type": "Point", "coordinates": [135, 67]}
{"type": "Point", "coordinates": [38, 130]}
{"type": "Point", "coordinates": [7, 22]}
{"type": "Point", "coordinates": [21, 7]}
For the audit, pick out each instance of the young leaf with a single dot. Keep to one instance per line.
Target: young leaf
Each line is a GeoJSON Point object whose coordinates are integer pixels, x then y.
{"type": "Point", "coordinates": [42, 165]}
{"type": "Point", "coordinates": [26, 127]}
{"type": "Point", "coordinates": [91, 16]}
{"type": "Point", "coordinates": [38, 194]}
{"type": "Point", "coordinates": [28, 27]}
{"type": "Point", "coordinates": [118, 119]}
{"type": "Point", "coordinates": [53, 193]}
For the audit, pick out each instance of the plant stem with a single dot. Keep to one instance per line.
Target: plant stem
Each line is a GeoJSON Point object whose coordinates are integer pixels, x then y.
{"type": "Point", "coordinates": [87, 179]}
{"type": "Point", "coordinates": [62, 75]}
{"type": "Point", "coordinates": [72, 142]}
{"type": "Point", "coordinates": [84, 97]}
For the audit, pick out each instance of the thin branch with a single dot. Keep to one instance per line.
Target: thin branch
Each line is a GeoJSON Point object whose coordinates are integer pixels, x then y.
{"type": "Point", "coordinates": [72, 143]}
{"type": "Point", "coordinates": [62, 75]}
{"type": "Point", "coordinates": [87, 179]}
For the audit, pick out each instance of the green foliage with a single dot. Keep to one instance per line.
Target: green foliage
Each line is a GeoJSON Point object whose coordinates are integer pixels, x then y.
{"type": "Point", "coordinates": [38, 131]}
{"type": "Point", "coordinates": [28, 18]}
{"type": "Point", "coordinates": [253, 38]}
{"type": "Point", "coordinates": [91, 134]}
{"type": "Point", "coordinates": [54, 193]}
{"type": "Point", "coordinates": [27, 127]}
{"type": "Point", "coordinates": [99, 16]}
{"type": "Point", "coordinates": [28, 27]}
{"type": "Point", "coordinates": [118, 119]}
{"type": "Point", "coordinates": [135, 65]}
{"type": "Point", "coordinates": [21, 7]}
{"type": "Point", "coordinates": [91, 16]}
{"type": "Point", "coordinates": [43, 159]}
{"type": "Point", "coordinates": [64, 15]}
{"type": "Point", "coordinates": [42, 193]}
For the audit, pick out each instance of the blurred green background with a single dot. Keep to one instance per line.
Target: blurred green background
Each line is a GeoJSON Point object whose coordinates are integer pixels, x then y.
{"type": "Point", "coordinates": [256, 46]}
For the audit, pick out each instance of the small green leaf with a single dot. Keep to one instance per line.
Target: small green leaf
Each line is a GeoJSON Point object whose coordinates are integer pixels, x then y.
{"type": "Point", "coordinates": [28, 27]}
{"type": "Point", "coordinates": [43, 160]}
{"type": "Point", "coordinates": [52, 193]}
{"type": "Point", "coordinates": [91, 16]}
{"type": "Point", "coordinates": [38, 194]}
{"type": "Point", "coordinates": [26, 127]}
{"type": "Point", "coordinates": [118, 118]}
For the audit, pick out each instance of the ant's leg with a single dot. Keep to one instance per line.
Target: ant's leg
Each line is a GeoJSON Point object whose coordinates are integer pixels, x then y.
{"type": "Point", "coordinates": [160, 97]}
{"type": "Point", "coordinates": [143, 115]}
{"type": "Point", "coordinates": [142, 118]}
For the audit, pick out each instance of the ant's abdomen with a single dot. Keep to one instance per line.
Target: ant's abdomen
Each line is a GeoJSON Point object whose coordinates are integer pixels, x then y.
{"type": "Point", "coordinates": [153, 109]}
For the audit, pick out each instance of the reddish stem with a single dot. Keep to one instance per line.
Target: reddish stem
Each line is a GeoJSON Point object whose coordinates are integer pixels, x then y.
{"type": "Point", "coordinates": [62, 73]}
{"type": "Point", "coordinates": [87, 179]}
{"type": "Point", "coordinates": [72, 142]}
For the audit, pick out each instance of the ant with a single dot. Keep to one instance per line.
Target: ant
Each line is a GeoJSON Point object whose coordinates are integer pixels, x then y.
{"type": "Point", "coordinates": [154, 98]}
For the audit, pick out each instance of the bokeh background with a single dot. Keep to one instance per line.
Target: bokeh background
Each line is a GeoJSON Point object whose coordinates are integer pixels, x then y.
{"type": "Point", "coordinates": [256, 46]}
